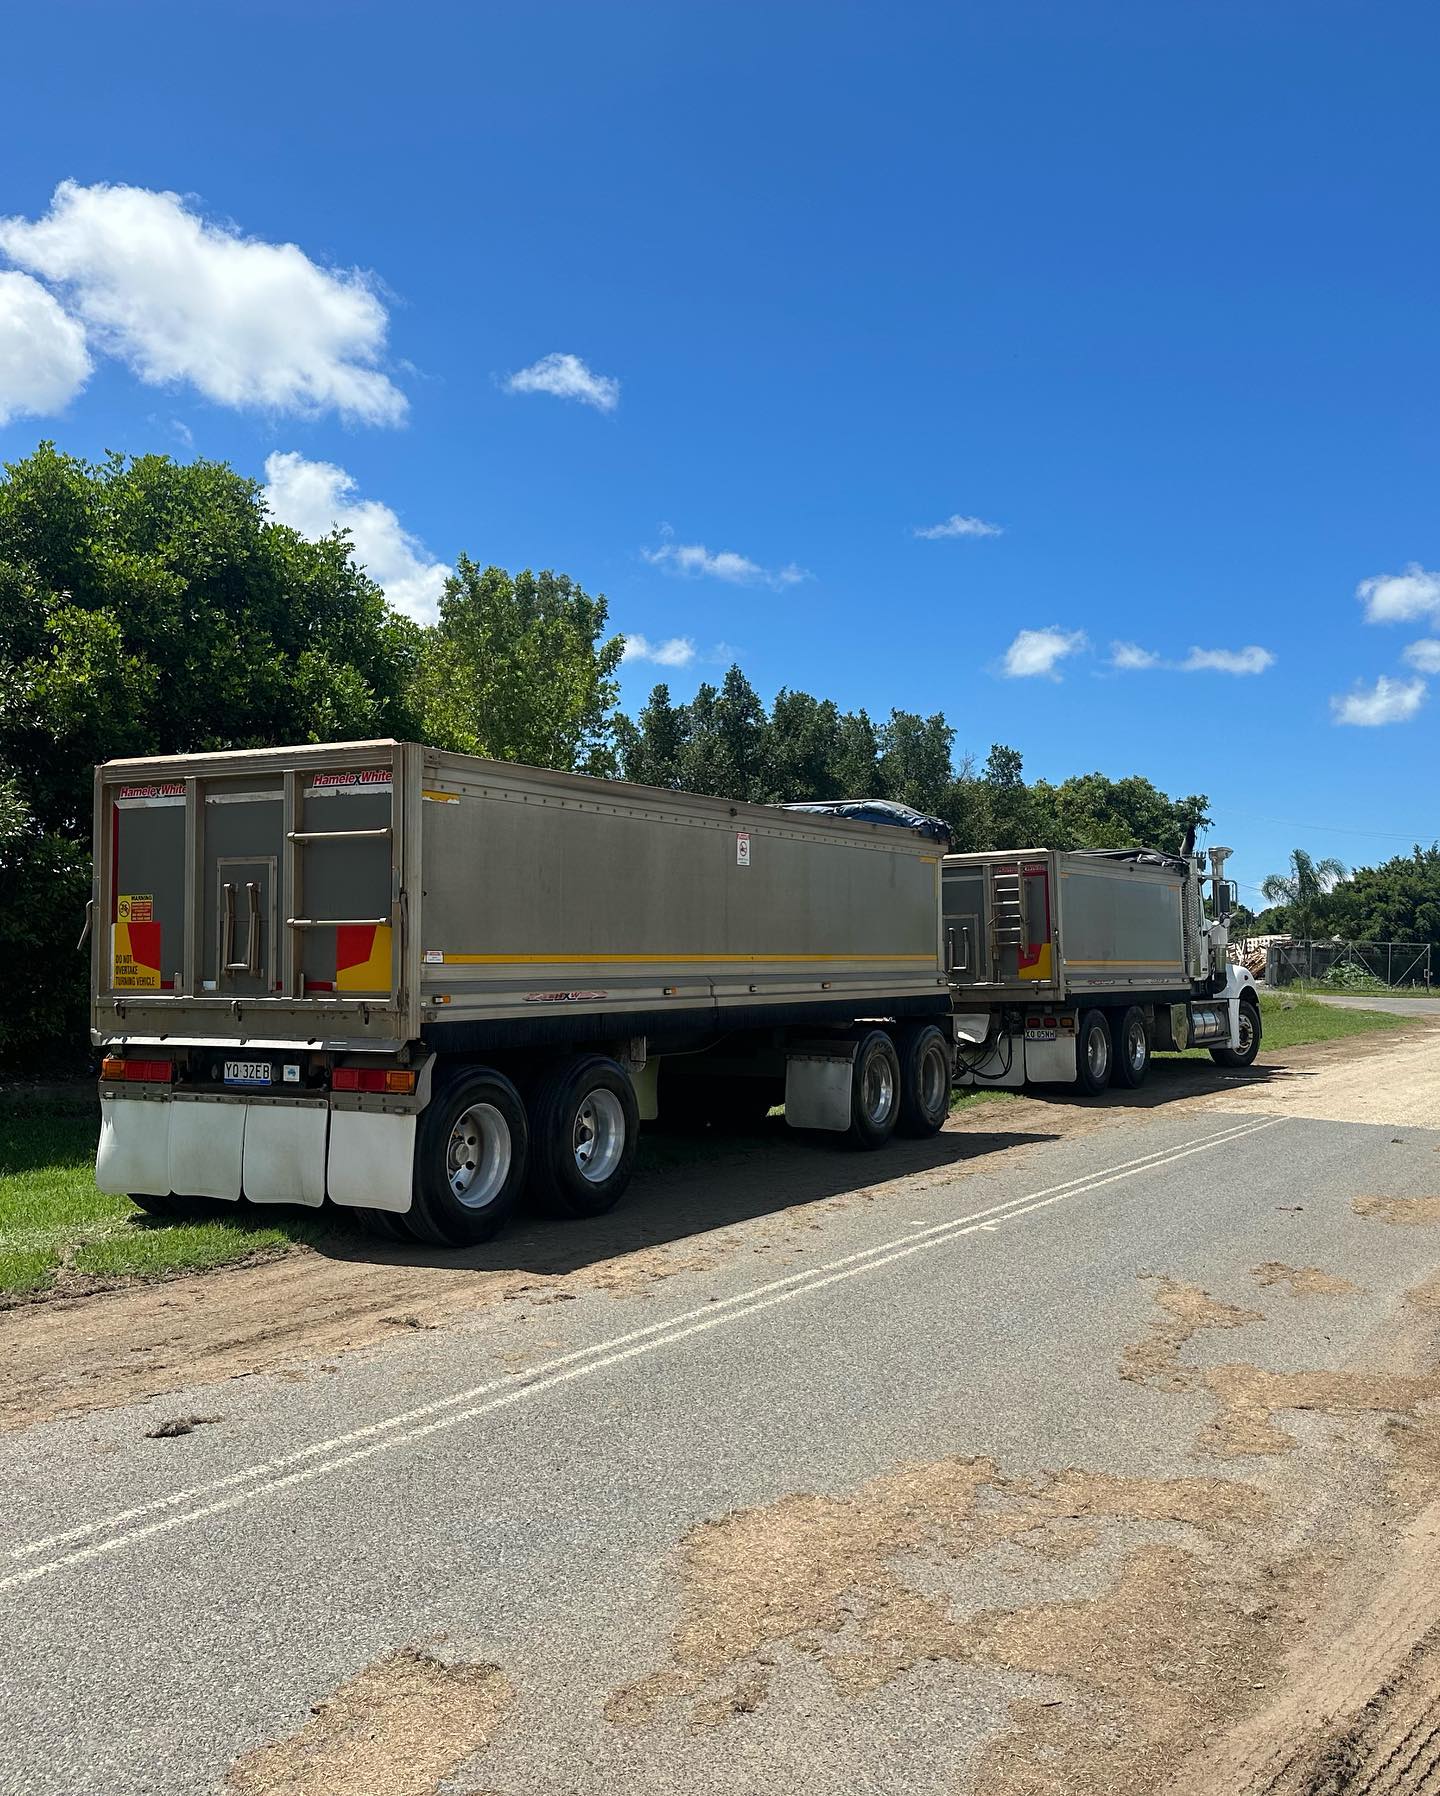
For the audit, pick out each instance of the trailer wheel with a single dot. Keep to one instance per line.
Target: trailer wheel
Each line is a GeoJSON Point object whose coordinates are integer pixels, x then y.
{"type": "Point", "coordinates": [1093, 1054]}
{"type": "Point", "coordinates": [170, 1206]}
{"type": "Point", "coordinates": [874, 1091]}
{"type": "Point", "coordinates": [924, 1080]}
{"type": "Point", "coordinates": [585, 1124]}
{"type": "Point", "coordinates": [1132, 1048]}
{"type": "Point", "coordinates": [1249, 1047]}
{"type": "Point", "coordinates": [470, 1154]}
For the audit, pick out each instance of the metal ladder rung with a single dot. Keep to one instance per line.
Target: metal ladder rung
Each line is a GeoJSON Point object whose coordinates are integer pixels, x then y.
{"type": "Point", "coordinates": [335, 835]}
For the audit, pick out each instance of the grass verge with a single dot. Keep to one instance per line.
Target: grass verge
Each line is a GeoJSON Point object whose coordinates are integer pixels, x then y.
{"type": "Point", "coordinates": [1290, 1021]}
{"type": "Point", "coordinates": [54, 1222]}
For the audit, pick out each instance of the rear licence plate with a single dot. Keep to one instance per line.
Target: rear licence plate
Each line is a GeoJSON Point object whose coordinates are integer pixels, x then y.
{"type": "Point", "coordinates": [247, 1072]}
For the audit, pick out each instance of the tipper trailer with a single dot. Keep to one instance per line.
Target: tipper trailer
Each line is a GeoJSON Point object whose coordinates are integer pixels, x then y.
{"type": "Point", "coordinates": [1071, 967]}
{"type": "Point", "coordinates": [416, 983]}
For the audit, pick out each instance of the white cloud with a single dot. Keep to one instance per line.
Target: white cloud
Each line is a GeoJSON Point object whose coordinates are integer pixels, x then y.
{"type": "Point", "coordinates": [1038, 652]}
{"type": "Point", "coordinates": [1251, 660]}
{"type": "Point", "coordinates": [43, 359]}
{"type": "Point", "coordinates": [180, 299]}
{"type": "Point", "coordinates": [1424, 656]}
{"type": "Point", "coordinates": [1395, 598]}
{"type": "Point", "coordinates": [956, 525]}
{"type": "Point", "coordinates": [1129, 657]}
{"type": "Point", "coordinates": [567, 377]}
{"type": "Point", "coordinates": [695, 561]}
{"type": "Point", "coordinates": [676, 651]}
{"type": "Point", "coordinates": [315, 497]}
{"type": "Point", "coordinates": [1387, 701]}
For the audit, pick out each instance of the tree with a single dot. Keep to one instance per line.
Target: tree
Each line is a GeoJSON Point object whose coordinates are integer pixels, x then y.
{"type": "Point", "coordinates": [150, 607]}
{"type": "Point", "coordinates": [1398, 901]}
{"type": "Point", "coordinates": [1303, 890]}
{"type": "Point", "coordinates": [519, 669]}
{"type": "Point", "coordinates": [651, 751]}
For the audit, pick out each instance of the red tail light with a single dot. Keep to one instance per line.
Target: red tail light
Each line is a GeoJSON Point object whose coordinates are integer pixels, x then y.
{"type": "Point", "coordinates": [371, 1078]}
{"type": "Point", "coordinates": [114, 1067]}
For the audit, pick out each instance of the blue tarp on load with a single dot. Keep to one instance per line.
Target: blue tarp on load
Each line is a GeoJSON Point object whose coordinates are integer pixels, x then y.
{"type": "Point", "coordinates": [877, 810]}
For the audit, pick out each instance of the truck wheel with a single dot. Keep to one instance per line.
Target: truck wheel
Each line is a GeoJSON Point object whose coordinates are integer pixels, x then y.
{"type": "Point", "coordinates": [585, 1129]}
{"type": "Point", "coordinates": [924, 1080]}
{"type": "Point", "coordinates": [1093, 1054]}
{"type": "Point", "coordinates": [169, 1206]}
{"type": "Point", "coordinates": [874, 1091]}
{"type": "Point", "coordinates": [470, 1154]}
{"type": "Point", "coordinates": [1132, 1048]}
{"type": "Point", "coordinates": [1249, 1047]}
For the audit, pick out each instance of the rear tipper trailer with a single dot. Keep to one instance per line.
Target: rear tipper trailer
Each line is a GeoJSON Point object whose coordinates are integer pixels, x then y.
{"type": "Point", "coordinates": [415, 983]}
{"type": "Point", "coordinates": [1071, 967]}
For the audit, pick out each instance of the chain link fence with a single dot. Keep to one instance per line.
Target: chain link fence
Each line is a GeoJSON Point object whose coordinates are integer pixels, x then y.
{"type": "Point", "coordinates": [1342, 964]}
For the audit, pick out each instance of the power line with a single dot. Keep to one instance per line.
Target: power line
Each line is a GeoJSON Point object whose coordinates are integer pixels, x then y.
{"type": "Point", "coordinates": [1335, 829]}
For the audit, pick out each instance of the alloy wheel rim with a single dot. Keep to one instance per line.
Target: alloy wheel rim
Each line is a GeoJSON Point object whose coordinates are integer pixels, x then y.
{"type": "Point", "coordinates": [598, 1136]}
{"type": "Point", "coordinates": [478, 1156]}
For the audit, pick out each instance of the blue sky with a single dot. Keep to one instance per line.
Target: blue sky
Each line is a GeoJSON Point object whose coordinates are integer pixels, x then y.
{"type": "Point", "coordinates": [1150, 290]}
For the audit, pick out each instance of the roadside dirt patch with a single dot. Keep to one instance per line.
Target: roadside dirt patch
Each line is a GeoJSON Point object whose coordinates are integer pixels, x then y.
{"type": "Point", "coordinates": [401, 1727]}
{"type": "Point", "coordinates": [768, 1192]}
{"type": "Point", "coordinates": [1399, 1212]}
{"type": "Point", "coordinates": [834, 1578]}
{"type": "Point", "coordinates": [1303, 1281]}
{"type": "Point", "coordinates": [1248, 1398]}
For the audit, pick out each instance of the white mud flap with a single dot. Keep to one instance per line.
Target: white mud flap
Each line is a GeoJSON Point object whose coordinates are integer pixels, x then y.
{"type": "Point", "coordinates": [1051, 1062]}
{"type": "Point", "coordinates": [371, 1163]}
{"type": "Point", "coordinates": [818, 1088]}
{"type": "Point", "coordinates": [207, 1142]}
{"type": "Point", "coordinates": [285, 1153]}
{"type": "Point", "coordinates": [134, 1150]}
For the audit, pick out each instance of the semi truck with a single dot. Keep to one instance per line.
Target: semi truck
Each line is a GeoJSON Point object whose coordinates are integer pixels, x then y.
{"type": "Point", "coordinates": [419, 984]}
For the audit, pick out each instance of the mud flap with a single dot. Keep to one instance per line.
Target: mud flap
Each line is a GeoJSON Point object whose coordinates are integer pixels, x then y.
{"type": "Point", "coordinates": [134, 1150]}
{"type": "Point", "coordinates": [371, 1163]}
{"type": "Point", "coordinates": [207, 1144]}
{"type": "Point", "coordinates": [284, 1159]}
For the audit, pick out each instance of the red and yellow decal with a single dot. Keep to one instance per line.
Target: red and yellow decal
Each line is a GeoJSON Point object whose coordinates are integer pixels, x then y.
{"type": "Point", "coordinates": [134, 944]}
{"type": "Point", "coordinates": [362, 957]}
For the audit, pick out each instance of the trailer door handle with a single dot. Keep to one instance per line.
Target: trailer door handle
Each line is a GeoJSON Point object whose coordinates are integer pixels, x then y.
{"type": "Point", "coordinates": [85, 932]}
{"type": "Point", "coordinates": [252, 942]}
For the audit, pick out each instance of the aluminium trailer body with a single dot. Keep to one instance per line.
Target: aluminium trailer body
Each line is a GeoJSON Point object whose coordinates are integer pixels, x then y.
{"type": "Point", "coordinates": [1070, 966]}
{"type": "Point", "coordinates": [301, 956]}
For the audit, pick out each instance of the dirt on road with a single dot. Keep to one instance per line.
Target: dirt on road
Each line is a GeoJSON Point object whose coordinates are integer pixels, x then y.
{"type": "Point", "coordinates": [96, 1350]}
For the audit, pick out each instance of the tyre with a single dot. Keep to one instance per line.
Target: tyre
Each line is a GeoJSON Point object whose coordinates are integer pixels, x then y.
{"type": "Point", "coordinates": [382, 1225]}
{"type": "Point", "coordinates": [170, 1206]}
{"type": "Point", "coordinates": [1131, 1041]}
{"type": "Point", "coordinates": [924, 1080]}
{"type": "Point", "coordinates": [471, 1150]}
{"type": "Point", "coordinates": [585, 1127]}
{"type": "Point", "coordinates": [874, 1091]}
{"type": "Point", "coordinates": [1249, 1047]}
{"type": "Point", "coordinates": [1093, 1055]}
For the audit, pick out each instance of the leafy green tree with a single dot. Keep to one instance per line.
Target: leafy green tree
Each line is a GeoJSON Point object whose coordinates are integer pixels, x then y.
{"type": "Point", "coordinates": [915, 760]}
{"type": "Point", "coordinates": [1091, 810]}
{"type": "Point", "coordinates": [1304, 891]}
{"type": "Point", "coordinates": [150, 607]}
{"type": "Point", "coordinates": [1398, 901]}
{"type": "Point", "coordinates": [44, 882]}
{"type": "Point", "coordinates": [519, 668]}
{"type": "Point", "coordinates": [651, 750]}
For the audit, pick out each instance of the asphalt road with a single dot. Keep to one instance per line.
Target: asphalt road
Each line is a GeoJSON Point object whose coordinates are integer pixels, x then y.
{"type": "Point", "coordinates": [668, 1541]}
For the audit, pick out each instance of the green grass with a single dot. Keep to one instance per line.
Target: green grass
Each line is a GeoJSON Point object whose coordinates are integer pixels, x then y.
{"type": "Point", "coordinates": [1290, 1021]}
{"type": "Point", "coordinates": [54, 1222]}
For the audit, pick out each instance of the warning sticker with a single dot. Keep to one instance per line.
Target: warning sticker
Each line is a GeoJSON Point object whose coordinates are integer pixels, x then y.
{"type": "Point", "coordinates": [135, 907]}
{"type": "Point", "coordinates": [742, 848]}
{"type": "Point", "coordinates": [135, 957]}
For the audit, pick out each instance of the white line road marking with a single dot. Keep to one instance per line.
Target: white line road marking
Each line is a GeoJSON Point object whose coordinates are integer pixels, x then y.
{"type": "Point", "coordinates": [401, 1430]}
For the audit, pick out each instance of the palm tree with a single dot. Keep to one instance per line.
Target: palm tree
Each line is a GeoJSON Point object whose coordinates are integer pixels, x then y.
{"type": "Point", "coordinates": [1302, 889]}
